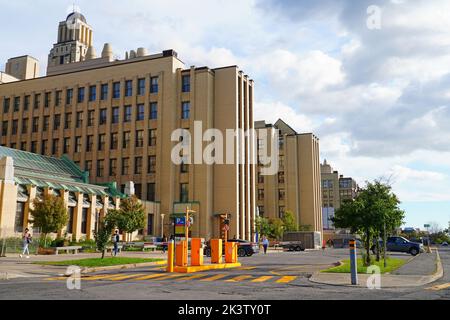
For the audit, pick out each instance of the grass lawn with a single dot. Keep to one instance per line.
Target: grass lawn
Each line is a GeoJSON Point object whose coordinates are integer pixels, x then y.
{"type": "Point", "coordinates": [98, 262]}
{"type": "Point", "coordinates": [392, 264]}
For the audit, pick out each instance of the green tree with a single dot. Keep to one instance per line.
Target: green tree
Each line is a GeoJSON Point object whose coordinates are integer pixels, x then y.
{"type": "Point", "coordinates": [289, 221]}
{"type": "Point", "coordinates": [130, 216]}
{"type": "Point", "coordinates": [103, 234]}
{"type": "Point", "coordinates": [374, 209]}
{"type": "Point", "coordinates": [49, 214]}
{"type": "Point", "coordinates": [263, 226]}
{"type": "Point", "coordinates": [276, 228]}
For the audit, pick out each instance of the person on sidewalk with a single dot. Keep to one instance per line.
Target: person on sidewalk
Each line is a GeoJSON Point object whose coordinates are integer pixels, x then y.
{"type": "Point", "coordinates": [265, 243]}
{"type": "Point", "coordinates": [116, 239]}
{"type": "Point", "coordinates": [26, 240]}
{"type": "Point", "coordinates": [164, 244]}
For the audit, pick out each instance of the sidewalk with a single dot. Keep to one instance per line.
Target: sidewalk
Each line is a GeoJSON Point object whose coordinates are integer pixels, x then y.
{"type": "Point", "coordinates": [421, 270]}
{"type": "Point", "coordinates": [12, 266]}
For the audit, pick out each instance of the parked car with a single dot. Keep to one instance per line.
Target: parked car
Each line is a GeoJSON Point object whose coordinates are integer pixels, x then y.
{"type": "Point", "coordinates": [444, 244]}
{"type": "Point", "coordinates": [344, 243]}
{"type": "Point", "coordinates": [245, 248]}
{"type": "Point", "coordinates": [400, 244]}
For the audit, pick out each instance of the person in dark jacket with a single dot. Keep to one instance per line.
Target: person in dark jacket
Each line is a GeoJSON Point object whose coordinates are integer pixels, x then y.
{"type": "Point", "coordinates": [116, 239]}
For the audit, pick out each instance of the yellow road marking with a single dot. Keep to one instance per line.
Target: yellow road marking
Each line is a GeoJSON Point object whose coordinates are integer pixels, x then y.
{"type": "Point", "coordinates": [123, 277]}
{"type": "Point", "coordinates": [171, 276]}
{"type": "Point", "coordinates": [103, 276]}
{"type": "Point", "coordinates": [151, 276]}
{"type": "Point", "coordinates": [158, 268]}
{"type": "Point", "coordinates": [195, 276]}
{"type": "Point", "coordinates": [216, 277]}
{"type": "Point", "coordinates": [57, 278]}
{"type": "Point", "coordinates": [439, 287]}
{"type": "Point", "coordinates": [286, 279]}
{"type": "Point", "coordinates": [238, 278]}
{"type": "Point", "coordinates": [262, 279]}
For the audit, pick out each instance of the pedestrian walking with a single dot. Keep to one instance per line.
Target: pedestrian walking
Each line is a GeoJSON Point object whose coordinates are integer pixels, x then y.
{"type": "Point", "coordinates": [116, 239]}
{"type": "Point", "coordinates": [26, 240]}
{"type": "Point", "coordinates": [265, 243]}
{"type": "Point", "coordinates": [164, 245]}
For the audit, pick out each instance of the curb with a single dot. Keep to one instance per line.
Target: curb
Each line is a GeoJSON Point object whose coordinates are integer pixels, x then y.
{"type": "Point", "coordinates": [86, 270]}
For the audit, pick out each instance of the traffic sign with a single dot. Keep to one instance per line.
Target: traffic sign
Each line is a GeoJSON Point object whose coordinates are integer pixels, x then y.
{"type": "Point", "coordinates": [226, 227]}
{"type": "Point", "coordinates": [426, 225]}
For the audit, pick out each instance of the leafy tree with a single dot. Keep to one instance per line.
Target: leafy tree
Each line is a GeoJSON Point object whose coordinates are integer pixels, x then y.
{"type": "Point", "coordinates": [103, 235]}
{"type": "Point", "coordinates": [130, 216]}
{"type": "Point", "coordinates": [263, 226]}
{"type": "Point", "coordinates": [289, 221]}
{"type": "Point", "coordinates": [49, 214]}
{"type": "Point", "coordinates": [374, 210]}
{"type": "Point", "coordinates": [276, 228]}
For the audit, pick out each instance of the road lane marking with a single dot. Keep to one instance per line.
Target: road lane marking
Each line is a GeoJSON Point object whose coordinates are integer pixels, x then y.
{"type": "Point", "coordinates": [245, 268]}
{"type": "Point", "coordinates": [171, 276]}
{"type": "Point", "coordinates": [151, 276]}
{"type": "Point", "coordinates": [239, 278]}
{"type": "Point", "coordinates": [103, 276]}
{"type": "Point", "coordinates": [286, 279]}
{"type": "Point", "coordinates": [195, 276]}
{"type": "Point", "coordinates": [439, 287]}
{"type": "Point", "coordinates": [216, 277]}
{"type": "Point", "coordinates": [262, 279]}
{"type": "Point", "coordinates": [123, 277]}
{"type": "Point", "coordinates": [56, 278]}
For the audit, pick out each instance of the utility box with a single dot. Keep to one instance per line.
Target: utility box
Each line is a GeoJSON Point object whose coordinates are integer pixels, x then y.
{"type": "Point", "coordinates": [196, 252]}
{"type": "Point", "coordinates": [231, 252]}
{"type": "Point", "coordinates": [181, 259]}
{"type": "Point", "coordinates": [216, 250]}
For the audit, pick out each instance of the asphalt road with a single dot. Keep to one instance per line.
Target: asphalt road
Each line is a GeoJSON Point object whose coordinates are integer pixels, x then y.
{"type": "Point", "coordinates": [282, 276]}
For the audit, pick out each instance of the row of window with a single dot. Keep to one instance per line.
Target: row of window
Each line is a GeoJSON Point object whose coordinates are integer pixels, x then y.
{"type": "Point", "coordinates": [280, 177]}
{"type": "Point", "coordinates": [151, 188]}
{"type": "Point", "coordinates": [79, 117]}
{"type": "Point", "coordinates": [281, 211]}
{"type": "Point", "coordinates": [281, 194]}
{"type": "Point", "coordinates": [92, 94]}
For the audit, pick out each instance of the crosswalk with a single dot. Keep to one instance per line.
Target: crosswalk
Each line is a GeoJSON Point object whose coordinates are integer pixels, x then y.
{"type": "Point", "coordinates": [201, 277]}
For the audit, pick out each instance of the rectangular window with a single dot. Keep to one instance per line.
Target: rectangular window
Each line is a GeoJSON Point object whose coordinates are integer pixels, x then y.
{"type": "Point", "coordinates": [37, 101]}
{"type": "Point", "coordinates": [16, 104]}
{"type": "Point", "coordinates": [112, 167]}
{"type": "Point", "coordinates": [23, 146]}
{"type": "Point", "coordinates": [68, 121]}
{"type": "Point", "coordinates": [55, 147]}
{"type": "Point", "coordinates": [44, 147]}
{"type": "Point", "coordinates": [100, 168]}
{"type": "Point", "coordinates": [261, 211]}
{"type": "Point", "coordinates": [91, 117]}
{"type": "Point", "coordinates": [150, 218]}
{"type": "Point", "coordinates": [154, 85]}
{"type": "Point", "coordinates": [115, 115]}
{"type": "Point", "coordinates": [139, 143]}
{"type": "Point", "coordinates": [141, 87]}
{"type": "Point", "coordinates": [138, 165]}
{"type": "Point", "coordinates": [58, 98]}
{"type": "Point", "coordinates": [104, 93]}
{"type": "Point", "coordinates": [186, 84]}
{"type": "Point", "coordinates": [70, 222]}
{"type": "Point", "coordinates": [153, 110]}
{"type": "Point", "coordinates": [57, 122]}
{"type": "Point", "coordinates": [46, 123]}
{"type": "Point", "coordinates": [88, 167]}
{"type": "Point", "coordinates": [127, 114]}
{"type": "Point", "coordinates": [281, 211]}
{"type": "Point", "coordinates": [66, 147]}
{"type": "Point", "coordinates": [35, 124]}
{"type": "Point", "coordinates": [80, 95]}
{"type": "Point", "coordinates": [151, 164]}
{"type": "Point", "coordinates": [15, 126]}
{"type": "Point", "coordinates": [33, 146]}
{"type": "Point", "coordinates": [89, 143]}
{"type": "Point", "coordinates": [47, 99]}
{"type": "Point", "coordinates": [150, 192]}
{"type": "Point", "coordinates": [101, 142]}
{"type": "Point", "coordinates": [114, 141]}
{"type": "Point", "coordinates": [102, 118]}
{"type": "Point", "coordinates": [13, 145]}
{"type": "Point", "coordinates": [79, 120]}
{"type": "Point", "coordinates": [77, 144]}
{"type": "Point", "coordinates": [140, 112]}
{"type": "Point", "coordinates": [4, 128]}
{"type": "Point", "coordinates": [20, 213]}
{"type": "Point", "coordinates": [152, 135]}
{"type": "Point", "coordinates": [116, 90]}
{"type": "Point", "coordinates": [126, 139]}
{"type": "Point", "coordinates": [281, 177]}
{"type": "Point", "coordinates": [281, 194]}
{"type": "Point", "coordinates": [185, 110]}
{"type": "Point", "coordinates": [128, 88]}
{"type": "Point", "coordinates": [24, 125]}
{"type": "Point", "coordinates": [260, 194]}
{"type": "Point", "coordinates": [84, 215]}
{"type": "Point", "coordinates": [6, 104]}
{"type": "Point", "coordinates": [26, 105]}
{"type": "Point", "coordinates": [92, 93]}
{"type": "Point", "coordinates": [184, 192]}
{"type": "Point", "coordinates": [138, 190]}
{"type": "Point", "coordinates": [125, 166]}
{"type": "Point", "coordinates": [184, 168]}
{"type": "Point", "coordinates": [260, 178]}
{"type": "Point", "coordinates": [69, 96]}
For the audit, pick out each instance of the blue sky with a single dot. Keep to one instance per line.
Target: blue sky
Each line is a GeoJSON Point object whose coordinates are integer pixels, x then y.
{"type": "Point", "coordinates": [378, 99]}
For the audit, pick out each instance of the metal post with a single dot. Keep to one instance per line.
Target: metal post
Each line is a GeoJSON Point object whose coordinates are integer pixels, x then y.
{"type": "Point", "coordinates": [353, 262]}
{"type": "Point", "coordinates": [384, 244]}
{"type": "Point", "coordinates": [170, 254]}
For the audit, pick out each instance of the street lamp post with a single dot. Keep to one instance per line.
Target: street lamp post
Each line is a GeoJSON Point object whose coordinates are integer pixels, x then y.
{"type": "Point", "coordinates": [162, 225]}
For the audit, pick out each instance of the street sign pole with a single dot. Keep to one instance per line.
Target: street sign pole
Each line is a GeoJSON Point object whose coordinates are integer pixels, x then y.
{"type": "Point", "coordinates": [353, 262]}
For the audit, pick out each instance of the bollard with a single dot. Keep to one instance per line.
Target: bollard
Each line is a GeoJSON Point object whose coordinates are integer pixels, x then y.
{"type": "Point", "coordinates": [170, 253]}
{"type": "Point", "coordinates": [196, 252]}
{"type": "Point", "coordinates": [216, 250]}
{"type": "Point", "coordinates": [180, 254]}
{"type": "Point", "coordinates": [230, 252]}
{"type": "Point", "coordinates": [353, 262]}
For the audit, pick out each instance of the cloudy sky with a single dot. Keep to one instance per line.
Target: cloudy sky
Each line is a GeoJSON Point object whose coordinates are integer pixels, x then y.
{"type": "Point", "coordinates": [377, 98]}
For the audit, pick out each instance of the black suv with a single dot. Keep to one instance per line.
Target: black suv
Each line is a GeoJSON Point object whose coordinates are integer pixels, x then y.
{"type": "Point", "coordinates": [245, 248]}
{"type": "Point", "coordinates": [400, 244]}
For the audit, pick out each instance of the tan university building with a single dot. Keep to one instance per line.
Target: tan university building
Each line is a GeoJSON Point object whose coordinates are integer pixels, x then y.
{"type": "Point", "coordinates": [114, 118]}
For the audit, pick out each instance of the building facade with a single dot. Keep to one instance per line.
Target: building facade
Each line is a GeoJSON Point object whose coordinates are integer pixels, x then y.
{"type": "Point", "coordinates": [296, 186]}
{"type": "Point", "coordinates": [115, 119]}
